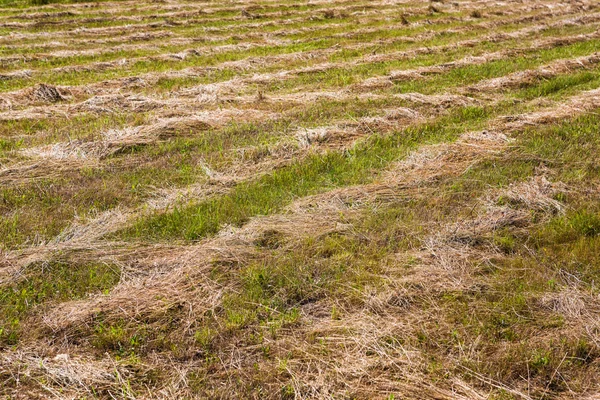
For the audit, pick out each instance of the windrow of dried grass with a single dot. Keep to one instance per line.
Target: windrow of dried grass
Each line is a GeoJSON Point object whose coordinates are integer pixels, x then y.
{"type": "Point", "coordinates": [445, 257]}
{"type": "Point", "coordinates": [16, 98]}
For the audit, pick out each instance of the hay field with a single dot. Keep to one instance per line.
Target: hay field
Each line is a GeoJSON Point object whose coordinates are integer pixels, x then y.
{"type": "Point", "coordinates": [278, 199]}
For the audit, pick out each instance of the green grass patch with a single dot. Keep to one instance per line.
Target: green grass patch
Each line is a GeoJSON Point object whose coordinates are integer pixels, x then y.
{"type": "Point", "coordinates": [54, 281]}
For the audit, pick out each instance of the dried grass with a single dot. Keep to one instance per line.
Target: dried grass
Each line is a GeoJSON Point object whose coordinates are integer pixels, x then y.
{"type": "Point", "coordinates": [62, 375]}
{"type": "Point", "coordinates": [439, 101]}
{"type": "Point", "coordinates": [373, 82]}
{"type": "Point", "coordinates": [570, 303]}
{"type": "Point", "coordinates": [578, 104]}
{"type": "Point", "coordinates": [523, 78]}
{"type": "Point", "coordinates": [24, 74]}
{"type": "Point", "coordinates": [535, 194]}
{"type": "Point", "coordinates": [352, 355]}
{"type": "Point", "coordinates": [117, 140]}
{"type": "Point", "coordinates": [116, 103]}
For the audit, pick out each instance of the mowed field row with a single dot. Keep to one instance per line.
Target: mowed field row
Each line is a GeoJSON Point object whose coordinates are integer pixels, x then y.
{"type": "Point", "coordinates": [275, 199]}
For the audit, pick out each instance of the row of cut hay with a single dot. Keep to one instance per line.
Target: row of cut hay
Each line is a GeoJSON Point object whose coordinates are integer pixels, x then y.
{"type": "Point", "coordinates": [487, 24]}
{"type": "Point", "coordinates": [297, 225]}
{"type": "Point", "coordinates": [213, 93]}
{"type": "Point", "coordinates": [26, 96]}
{"type": "Point", "coordinates": [491, 141]}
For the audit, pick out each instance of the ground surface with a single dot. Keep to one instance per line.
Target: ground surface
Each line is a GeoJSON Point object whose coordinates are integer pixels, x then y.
{"type": "Point", "coordinates": [300, 199]}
